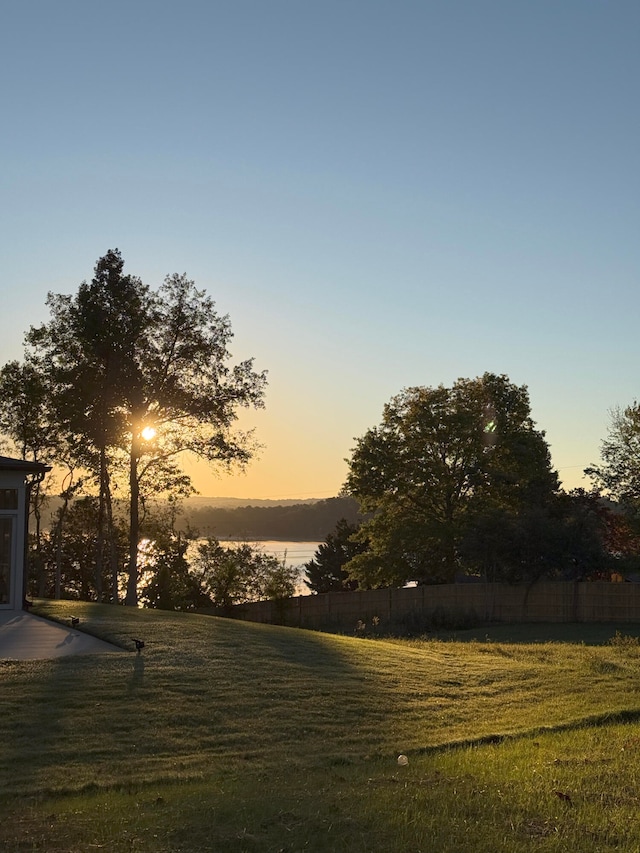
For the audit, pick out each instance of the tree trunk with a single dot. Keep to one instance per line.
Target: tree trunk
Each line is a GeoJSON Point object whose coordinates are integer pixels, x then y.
{"type": "Point", "coordinates": [37, 514]}
{"type": "Point", "coordinates": [65, 494]}
{"type": "Point", "coordinates": [58, 539]}
{"type": "Point", "coordinates": [101, 518]}
{"type": "Point", "coordinates": [113, 550]}
{"type": "Point", "coordinates": [131, 599]}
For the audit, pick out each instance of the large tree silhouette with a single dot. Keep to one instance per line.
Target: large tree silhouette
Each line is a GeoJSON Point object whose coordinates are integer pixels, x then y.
{"type": "Point", "coordinates": [440, 459]}
{"type": "Point", "coordinates": [138, 378]}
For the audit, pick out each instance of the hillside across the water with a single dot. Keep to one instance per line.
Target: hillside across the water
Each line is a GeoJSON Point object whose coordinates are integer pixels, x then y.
{"type": "Point", "coordinates": [310, 521]}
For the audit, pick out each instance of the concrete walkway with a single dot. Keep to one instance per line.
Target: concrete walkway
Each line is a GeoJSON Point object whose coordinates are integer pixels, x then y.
{"type": "Point", "coordinates": [27, 637]}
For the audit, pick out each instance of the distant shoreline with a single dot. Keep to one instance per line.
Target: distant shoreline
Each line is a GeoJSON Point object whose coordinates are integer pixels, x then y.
{"type": "Point", "coordinates": [232, 503]}
{"type": "Point", "coordinates": [266, 539]}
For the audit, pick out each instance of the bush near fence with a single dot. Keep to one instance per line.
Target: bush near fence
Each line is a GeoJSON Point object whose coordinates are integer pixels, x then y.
{"type": "Point", "coordinates": [449, 605]}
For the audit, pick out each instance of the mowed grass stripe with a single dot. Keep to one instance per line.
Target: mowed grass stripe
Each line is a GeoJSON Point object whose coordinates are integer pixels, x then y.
{"type": "Point", "coordinates": [555, 792]}
{"type": "Point", "coordinates": [209, 690]}
{"type": "Point", "coordinates": [232, 736]}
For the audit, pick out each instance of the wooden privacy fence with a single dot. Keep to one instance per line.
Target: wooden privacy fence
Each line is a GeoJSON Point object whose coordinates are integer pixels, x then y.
{"type": "Point", "coordinates": [449, 604]}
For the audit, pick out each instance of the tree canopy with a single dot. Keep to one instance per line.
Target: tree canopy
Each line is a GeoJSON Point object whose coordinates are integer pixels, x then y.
{"type": "Point", "coordinates": [239, 573]}
{"type": "Point", "coordinates": [325, 572]}
{"type": "Point", "coordinates": [136, 377]}
{"type": "Point", "coordinates": [441, 459]}
{"type": "Point", "coordinates": [618, 472]}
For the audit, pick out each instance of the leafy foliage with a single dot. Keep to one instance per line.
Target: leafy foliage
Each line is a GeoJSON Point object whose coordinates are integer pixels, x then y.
{"type": "Point", "coordinates": [618, 477]}
{"type": "Point", "coordinates": [441, 459]}
{"type": "Point", "coordinates": [25, 416]}
{"type": "Point", "coordinates": [325, 572]}
{"type": "Point", "coordinates": [565, 538]}
{"type": "Point", "coordinates": [118, 358]}
{"type": "Point", "coordinates": [169, 583]}
{"type": "Point", "coordinates": [30, 430]}
{"type": "Point", "coordinates": [618, 473]}
{"type": "Point", "coordinates": [74, 554]}
{"type": "Point", "coordinates": [236, 574]}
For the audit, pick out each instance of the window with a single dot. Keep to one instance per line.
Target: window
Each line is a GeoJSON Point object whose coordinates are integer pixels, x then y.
{"type": "Point", "coordinates": [8, 499]}
{"type": "Point", "coordinates": [6, 530]}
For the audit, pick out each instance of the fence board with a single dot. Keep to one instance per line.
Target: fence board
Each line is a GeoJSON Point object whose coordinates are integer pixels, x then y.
{"type": "Point", "coordinates": [543, 602]}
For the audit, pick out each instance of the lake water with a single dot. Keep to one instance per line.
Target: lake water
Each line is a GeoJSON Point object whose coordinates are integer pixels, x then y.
{"type": "Point", "coordinates": [295, 554]}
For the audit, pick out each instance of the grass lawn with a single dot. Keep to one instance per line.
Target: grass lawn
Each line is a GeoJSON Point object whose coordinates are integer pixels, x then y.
{"type": "Point", "coordinates": [230, 736]}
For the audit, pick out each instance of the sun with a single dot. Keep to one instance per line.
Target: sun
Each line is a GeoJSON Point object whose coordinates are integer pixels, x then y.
{"type": "Point", "coordinates": [148, 433]}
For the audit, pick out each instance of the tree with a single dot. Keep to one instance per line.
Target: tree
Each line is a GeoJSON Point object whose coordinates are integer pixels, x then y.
{"type": "Point", "coordinates": [170, 585]}
{"type": "Point", "coordinates": [618, 473]}
{"type": "Point", "coordinates": [325, 572]}
{"type": "Point", "coordinates": [140, 378]}
{"type": "Point", "coordinates": [595, 537]}
{"type": "Point", "coordinates": [70, 552]}
{"type": "Point", "coordinates": [618, 477]}
{"type": "Point", "coordinates": [579, 535]}
{"type": "Point", "coordinates": [440, 459]}
{"type": "Point", "coordinates": [240, 573]}
{"type": "Point", "coordinates": [563, 539]}
{"type": "Point", "coordinates": [187, 395]}
{"type": "Point", "coordinates": [68, 491]}
{"type": "Point", "coordinates": [24, 416]}
{"type": "Point", "coordinates": [27, 424]}
{"type": "Point", "coordinates": [87, 355]}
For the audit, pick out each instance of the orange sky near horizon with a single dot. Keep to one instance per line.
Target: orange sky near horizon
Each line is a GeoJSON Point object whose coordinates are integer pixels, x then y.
{"type": "Point", "coordinates": [293, 464]}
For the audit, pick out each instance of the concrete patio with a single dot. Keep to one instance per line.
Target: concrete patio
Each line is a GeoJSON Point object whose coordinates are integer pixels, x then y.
{"type": "Point", "coordinates": [27, 637]}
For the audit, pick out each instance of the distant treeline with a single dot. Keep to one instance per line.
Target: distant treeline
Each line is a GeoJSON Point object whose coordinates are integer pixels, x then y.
{"type": "Point", "coordinates": [308, 521]}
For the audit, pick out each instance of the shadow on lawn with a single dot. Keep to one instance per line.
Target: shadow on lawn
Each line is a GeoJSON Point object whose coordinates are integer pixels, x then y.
{"type": "Point", "coordinates": [587, 633]}
{"type": "Point", "coordinates": [203, 691]}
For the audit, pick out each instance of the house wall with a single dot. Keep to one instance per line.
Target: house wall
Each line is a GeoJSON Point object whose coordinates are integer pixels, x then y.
{"type": "Point", "coordinates": [15, 517]}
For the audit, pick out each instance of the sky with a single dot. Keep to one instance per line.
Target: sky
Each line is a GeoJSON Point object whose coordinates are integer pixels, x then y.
{"type": "Point", "coordinates": [379, 193]}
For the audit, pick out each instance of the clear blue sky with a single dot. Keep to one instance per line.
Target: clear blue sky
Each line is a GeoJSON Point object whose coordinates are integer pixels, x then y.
{"type": "Point", "coordinates": [379, 194]}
